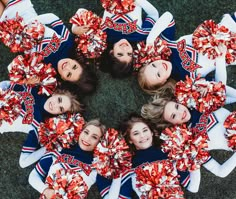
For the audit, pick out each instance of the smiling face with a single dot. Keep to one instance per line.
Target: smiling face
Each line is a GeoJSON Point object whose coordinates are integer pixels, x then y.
{"type": "Point", "coordinates": [69, 69]}
{"type": "Point", "coordinates": [89, 137]}
{"type": "Point", "coordinates": [176, 113]}
{"type": "Point", "coordinates": [123, 51]}
{"type": "Point", "coordinates": [57, 104]}
{"type": "Point", "coordinates": [157, 72]}
{"type": "Point", "coordinates": [141, 136]}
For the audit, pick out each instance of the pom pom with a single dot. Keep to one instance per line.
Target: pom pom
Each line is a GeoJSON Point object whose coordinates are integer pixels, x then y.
{"type": "Point", "coordinates": [118, 6]}
{"type": "Point", "coordinates": [158, 180]}
{"type": "Point", "coordinates": [208, 36]}
{"type": "Point", "coordinates": [22, 69]}
{"type": "Point", "coordinates": [92, 43]}
{"type": "Point", "coordinates": [60, 132]}
{"type": "Point", "coordinates": [230, 133]}
{"type": "Point", "coordinates": [67, 184]}
{"type": "Point", "coordinates": [189, 93]}
{"type": "Point", "coordinates": [187, 148]}
{"type": "Point", "coordinates": [21, 37]}
{"type": "Point", "coordinates": [10, 106]}
{"type": "Point", "coordinates": [144, 55]}
{"type": "Point", "coordinates": [112, 156]}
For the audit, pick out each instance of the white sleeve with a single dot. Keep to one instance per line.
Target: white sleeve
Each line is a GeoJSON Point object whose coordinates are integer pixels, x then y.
{"type": "Point", "coordinates": [148, 8]}
{"type": "Point", "coordinates": [36, 182]}
{"type": "Point", "coordinates": [114, 190]}
{"type": "Point", "coordinates": [195, 179]}
{"type": "Point", "coordinates": [160, 25]}
{"type": "Point", "coordinates": [221, 170]}
{"type": "Point", "coordinates": [4, 85]}
{"type": "Point", "coordinates": [47, 18]}
{"type": "Point", "coordinates": [27, 159]}
{"type": "Point", "coordinates": [220, 71]}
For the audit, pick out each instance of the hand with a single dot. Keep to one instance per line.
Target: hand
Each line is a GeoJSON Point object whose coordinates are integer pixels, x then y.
{"type": "Point", "coordinates": [48, 193]}
{"type": "Point", "coordinates": [223, 49]}
{"type": "Point", "coordinates": [202, 91]}
{"type": "Point", "coordinates": [79, 30]}
{"type": "Point", "coordinates": [32, 80]}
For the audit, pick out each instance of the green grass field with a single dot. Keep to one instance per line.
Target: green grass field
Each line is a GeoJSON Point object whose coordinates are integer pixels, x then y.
{"type": "Point", "coordinates": [115, 99]}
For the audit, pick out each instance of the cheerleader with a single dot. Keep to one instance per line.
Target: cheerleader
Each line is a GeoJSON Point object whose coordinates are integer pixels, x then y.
{"type": "Point", "coordinates": [139, 134]}
{"type": "Point", "coordinates": [78, 159]}
{"type": "Point", "coordinates": [57, 45]}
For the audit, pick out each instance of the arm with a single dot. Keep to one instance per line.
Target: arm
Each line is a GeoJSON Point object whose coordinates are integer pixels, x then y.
{"type": "Point", "coordinates": [47, 18]}
{"type": "Point", "coordinates": [221, 170]}
{"type": "Point", "coordinates": [148, 8]}
{"type": "Point", "coordinates": [195, 179]}
{"type": "Point", "coordinates": [160, 25]}
{"type": "Point", "coordinates": [36, 182]}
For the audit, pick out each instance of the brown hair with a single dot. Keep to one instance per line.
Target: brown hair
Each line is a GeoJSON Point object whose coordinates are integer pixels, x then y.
{"type": "Point", "coordinates": [75, 104]}
{"type": "Point", "coordinates": [143, 83]}
{"type": "Point", "coordinates": [154, 109]}
{"type": "Point", "coordinates": [128, 124]}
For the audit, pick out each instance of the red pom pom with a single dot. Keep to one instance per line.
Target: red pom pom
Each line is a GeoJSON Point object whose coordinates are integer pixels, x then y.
{"type": "Point", "coordinates": [60, 132]}
{"type": "Point", "coordinates": [23, 69]}
{"type": "Point", "coordinates": [112, 156]}
{"type": "Point", "coordinates": [21, 37]}
{"type": "Point", "coordinates": [230, 134]}
{"type": "Point", "coordinates": [67, 184]}
{"type": "Point", "coordinates": [118, 6]}
{"type": "Point", "coordinates": [158, 180]}
{"type": "Point", "coordinates": [92, 43]}
{"type": "Point", "coordinates": [144, 55]}
{"type": "Point", "coordinates": [204, 96]}
{"type": "Point", "coordinates": [208, 36]}
{"type": "Point", "coordinates": [187, 148]}
{"type": "Point", "coordinates": [10, 106]}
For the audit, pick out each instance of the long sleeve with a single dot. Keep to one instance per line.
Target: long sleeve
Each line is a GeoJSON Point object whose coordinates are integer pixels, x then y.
{"type": "Point", "coordinates": [220, 71]}
{"type": "Point", "coordinates": [47, 18]}
{"type": "Point", "coordinates": [150, 10]}
{"type": "Point", "coordinates": [36, 182]}
{"type": "Point", "coordinates": [161, 24]}
{"type": "Point", "coordinates": [221, 170]}
{"type": "Point", "coordinates": [195, 179]}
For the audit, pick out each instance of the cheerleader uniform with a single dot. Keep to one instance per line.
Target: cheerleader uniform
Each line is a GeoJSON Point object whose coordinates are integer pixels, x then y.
{"type": "Point", "coordinates": [213, 125]}
{"type": "Point", "coordinates": [188, 180]}
{"type": "Point", "coordinates": [57, 43]}
{"type": "Point", "coordinates": [74, 158]}
{"type": "Point", "coordinates": [130, 26]}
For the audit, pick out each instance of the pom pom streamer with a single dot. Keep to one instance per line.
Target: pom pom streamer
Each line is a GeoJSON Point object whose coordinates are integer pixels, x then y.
{"type": "Point", "coordinates": [60, 132]}
{"type": "Point", "coordinates": [24, 68]}
{"type": "Point", "coordinates": [112, 156]}
{"type": "Point", "coordinates": [118, 6]}
{"type": "Point", "coordinates": [10, 106]}
{"type": "Point", "coordinates": [21, 37]}
{"type": "Point", "coordinates": [188, 93]}
{"type": "Point", "coordinates": [158, 180]}
{"type": "Point", "coordinates": [67, 184]}
{"type": "Point", "coordinates": [230, 133]}
{"type": "Point", "coordinates": [144, 55]}
{"type": "Point", "coordinates": [187, 148]}
{"type": "Point", "coordinates": [209, 35]}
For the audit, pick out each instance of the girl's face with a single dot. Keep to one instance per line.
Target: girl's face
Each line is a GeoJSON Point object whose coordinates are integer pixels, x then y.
{"type": "Point", "coordinates": [69, 69]}
{"type": "Point", "coordinates": [89, 137]}
{"type": "Point", "coordinates": [123, 51]}
{"type": "Point", "coordinates": [176, 113]}
{"type": "Point", "coordinates": [141, 136]}
{"type": "Point", "coordinates": [157, 72]}
{"type": "Point", "coordinates": [57, 104]}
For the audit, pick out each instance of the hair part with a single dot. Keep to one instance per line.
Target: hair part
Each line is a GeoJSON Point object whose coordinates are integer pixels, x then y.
{"type": "Point", "coordinates": [97, 123]}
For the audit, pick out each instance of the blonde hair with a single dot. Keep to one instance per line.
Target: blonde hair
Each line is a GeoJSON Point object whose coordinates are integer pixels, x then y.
{"type": "Point", "coordinates": [151, 90]}
{"type": "Point", "coordinates": [97, 123]}
{"type": "Point", "coordinates": [75, 104]}
{"type": "Point", "coordinates": [154, 109]}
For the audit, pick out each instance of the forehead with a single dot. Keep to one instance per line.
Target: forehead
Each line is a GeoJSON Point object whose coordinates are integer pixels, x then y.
{"type": "Point", "coordinates": [169, 107]}
{"type": "Point", "coordinates": [94, 129]}
{"type": "Point", "coordinates": [138, 126]}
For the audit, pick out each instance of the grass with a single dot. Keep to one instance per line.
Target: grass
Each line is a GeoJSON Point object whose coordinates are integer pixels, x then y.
{"type": "Point", "coordinates": [115, 99]}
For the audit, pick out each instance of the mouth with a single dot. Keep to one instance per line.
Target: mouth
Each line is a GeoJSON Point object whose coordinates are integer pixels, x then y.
{"type": "Point", "coordinates": [63, 65]}
{"type": "Point", "coordinates": [85, 143]}
{"type": "Point", "coordinates": [165, 66]}
{"type": "Point", "coordinates": [143, 141]}
{"type": "Point", "coordinates": [184, 115]}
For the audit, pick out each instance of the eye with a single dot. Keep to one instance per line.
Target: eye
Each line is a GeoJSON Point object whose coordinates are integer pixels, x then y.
{"type": "Point", "coordinates": [62, 109]}
{"type": "Point", "coordinates": [173, 116]}
{"type": "Point", "coordinates": [86, 132]}
{"type": "Point", "coordinates": [95, 137]}
{"type": "Point", "coordinates": [176, 106]}
{"type": "Point", "coordinates": [158, 74]}
{"type": "Point", "coordinates": [74, 67]}
{"type": "Point", "coordinates": [153, 65]}
{"type": "Point", "coordinates": [68, 75]}
{"type": "Point", "coordinates": [135, 133]}
{"type": "Point", "coordinates": [120, 54]}
{"type": "Point", "coordinates": [59, 99]}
